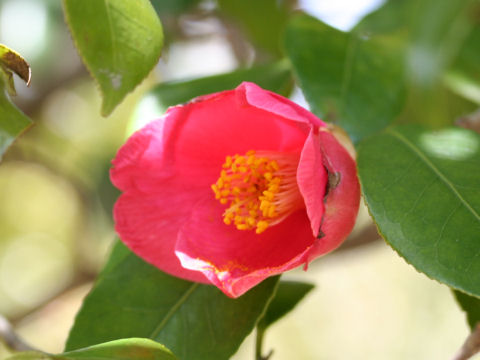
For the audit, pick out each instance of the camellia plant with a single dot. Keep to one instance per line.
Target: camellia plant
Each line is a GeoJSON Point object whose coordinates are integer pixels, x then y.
{"type": "Point", "coordinates": [230, 183]}
{"type": "Point", "coordinates": [234, 187]}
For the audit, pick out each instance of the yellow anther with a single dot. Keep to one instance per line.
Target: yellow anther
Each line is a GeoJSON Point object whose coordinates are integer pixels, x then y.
{"type": "Point", "coordinates": [239, 160]}
{"type": "Point", "coordinates": [258, 190]}
{"type": "Point", "coordinates": [238, 219]}
{"type": "Point", "coordinates": [225, 192]}
{"type": "Point", "coordinates": [261, 226]}
{"type": "Point", "coordinates": [273, 188]}
{"type": "Point", "coordinates": [272, 212]}
{"type": "Point", "coordinates": [268, 195]}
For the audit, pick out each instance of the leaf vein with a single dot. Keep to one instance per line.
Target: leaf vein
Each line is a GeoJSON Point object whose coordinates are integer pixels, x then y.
{"type": "Point", "coordinates": [437, 172]}
{"type": "Point", "coordinates": [112, 34]}
{"type": "Point", "coordinates": [172, 311]}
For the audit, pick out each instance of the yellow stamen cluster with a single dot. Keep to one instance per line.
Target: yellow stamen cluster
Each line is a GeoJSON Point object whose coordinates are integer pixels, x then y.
{"type": "Point", "coordinates": [260, 189]}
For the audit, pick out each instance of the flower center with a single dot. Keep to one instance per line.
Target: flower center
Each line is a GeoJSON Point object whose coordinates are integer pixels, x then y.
{"type": "Point", "coordinates": [260, 189]}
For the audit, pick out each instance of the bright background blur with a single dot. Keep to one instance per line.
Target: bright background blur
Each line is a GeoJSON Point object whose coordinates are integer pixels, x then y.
{"type": "Point", "coordinates": [56, 200]}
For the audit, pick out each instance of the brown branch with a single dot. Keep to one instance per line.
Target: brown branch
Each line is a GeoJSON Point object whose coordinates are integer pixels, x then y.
{"type": "Point", "coordinates": [11, 340]}
{"type": "Point", "coordinates": [80, 279]}
{"type": "Point", "coordinates": [368, 235]}
{"type": "Point", "coordinates": [471, 345]}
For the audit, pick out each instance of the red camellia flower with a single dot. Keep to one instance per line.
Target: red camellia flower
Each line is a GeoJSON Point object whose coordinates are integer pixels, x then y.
{"type": "Point", "coordinates": [234, 187]}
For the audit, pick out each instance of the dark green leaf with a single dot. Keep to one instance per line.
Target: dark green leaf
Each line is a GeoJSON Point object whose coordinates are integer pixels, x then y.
{"type": "Point", "coordinates": [422, 189]}
{"type": "Point", "coordinates": [288, 295]}
{"type": "Point", "coordinates": [263, 21]}
{"type": "Point", "coordinates": [353, 81]}
{"type": "Point", "coordinates": [195, 321]}
{"type": "Point", "coordinates": [124, 349]}
{"type": "Point", "coordinates": [12, 122]}
{"type": "Point", "coordinates": [173, 7]}
{"type": "Point", "coordinates": [119, 41]}
{"type": "Point", "coordinates": [471, 306]}
{"type": "Point", "coordinates": [464, 75]}
{"type": "Point", "coordinates": [275, 77]}
{"type": "Point", "coordinates": [392, 16]}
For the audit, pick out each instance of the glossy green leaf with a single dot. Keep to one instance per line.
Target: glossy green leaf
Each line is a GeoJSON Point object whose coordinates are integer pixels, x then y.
{"type": "Point", "coordinates": [392, 16]}
{"type": "Point", "coordinates": [275, 77]}
{"type": "Point", "coordinates": [124, 349]}
{"type": "Point", "coordinates": [352, 81]}
{"type": "Point", "coordinates": [12, 121]}
{"type": "Point", "coordinates": [422, 189]}
{"type": "Point", "coordinates": [471, 306]}
{"type": "Point", "coordinates": [173, 7]}
{"type": "Point", "coordinates": [288, 295]}
{"type": "Point", "coordinates": [263, 21]}
{"type": "Point", "coordinates": [119, 42]}
{"type": "Point", "coordinates": [463, 78]}
{"type": "Point", "coordinates": [134, 299]}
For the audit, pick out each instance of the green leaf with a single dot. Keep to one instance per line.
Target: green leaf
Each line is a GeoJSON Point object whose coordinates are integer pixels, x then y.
{"type": "Point", "coordinates": [12, 121]}
{"type": "Point", "coordinates": [288, 295]}
{"type": "Point", "coordinates": [195, 321]}
{"type": "Point", "coordinates": [471, 306]}
{"type": "Point", "coordinates": [173, 7]}
{"type": "Point", "coordinates": [422, 189]}
{"type": "Point", "coordinates": [464, 75]}
{"type": "Point", "coordinates": [119, 41]}
{"type": "Point", "coordinates": [253, 16]}
{"type": "Point", "coordinates": [352, 81]}
{"type": "Point", "coordinates": [124, 349]}
{"type": "Point", "coordinates": [275, 77]}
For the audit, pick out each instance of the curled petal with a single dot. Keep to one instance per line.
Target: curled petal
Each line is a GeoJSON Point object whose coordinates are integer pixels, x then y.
{"type": "Point", "coordinates": [343, 197]}
{"type": "Point", "coordinates": [312, 180]}
{"type": "Point", "coordinates": [150, 229]}
{"type": "Point", "coordinates": [236, 260]}
{"type": "Point", "coordinates": [278, 105]}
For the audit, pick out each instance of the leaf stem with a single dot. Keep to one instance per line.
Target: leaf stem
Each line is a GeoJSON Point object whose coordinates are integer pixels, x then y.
{"type": "Point", "coordinates": [259, 343]}
{"type": "Point", "coordinates": [471, 345]}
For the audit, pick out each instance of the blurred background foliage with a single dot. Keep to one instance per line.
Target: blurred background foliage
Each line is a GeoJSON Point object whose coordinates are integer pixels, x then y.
{"type": "Point", "coordinates": [56, 197]}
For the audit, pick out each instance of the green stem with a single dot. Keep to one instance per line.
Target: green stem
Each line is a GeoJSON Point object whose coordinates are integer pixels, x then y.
{"type": "Point", "coordinates": [259, 344]}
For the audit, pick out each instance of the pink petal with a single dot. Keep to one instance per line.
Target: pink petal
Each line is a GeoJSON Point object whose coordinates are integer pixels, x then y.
{"type": "Point", "coordinates": [236, 260]}
{"type": "Point", "coordinates": [312, 179]}
{"type": "Point", "coordinates": [342, 201]}
{"type": "Point", "coordinates": [278, 105]}
{"type": "Point", "coordinates": [149, 227]}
